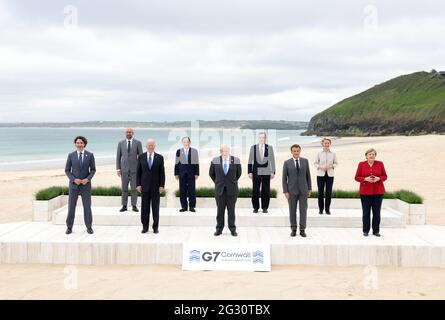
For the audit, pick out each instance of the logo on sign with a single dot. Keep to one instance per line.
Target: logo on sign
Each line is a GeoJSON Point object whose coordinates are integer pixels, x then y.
{"type": "Point", "coordinates": [258, 257]}
{"type": "Point", "coordinates": [195, 256]}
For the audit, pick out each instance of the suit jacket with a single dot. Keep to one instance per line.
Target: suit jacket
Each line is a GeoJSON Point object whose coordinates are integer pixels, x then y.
{"type": "Point", "coordinates": [365, 170]}
{"type": "Point", "coordinates": [258, 167]}
{"type": "Point", "coordinates": [74, 170]}
{"type": "Point", "coordinates": [229, 181]}
{"type": "Point", "coordinates": [296, 182]}
{"type": "Point", "coordinates": [187, 166]}
{"type": "Point", "coordinates": [128, 162]}
{"type": "Point", "coordinates": [150, 179]}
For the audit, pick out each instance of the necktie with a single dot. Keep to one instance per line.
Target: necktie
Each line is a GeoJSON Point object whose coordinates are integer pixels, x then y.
{"type": "Point", "coordinates": [297, 164]}
{"type": "Point", "coordinates": [129, 146]}
{"type": "Point", "coordinates": [226, 167]}
{"type": "Point", "coordinates": [261, 152]}
{"type": "Point", "coordinates": [150, 161]}
{"type": "Point", "coordinates": [81, 159]}
{"type": "Point", "coordinates": [187, 155]}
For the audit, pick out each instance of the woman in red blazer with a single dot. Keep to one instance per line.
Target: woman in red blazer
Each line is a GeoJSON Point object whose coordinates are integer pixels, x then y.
{"type": "Point", "coordinates": [371, 174]}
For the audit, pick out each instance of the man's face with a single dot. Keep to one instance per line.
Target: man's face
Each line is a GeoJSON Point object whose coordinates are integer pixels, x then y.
{"type": "Point", "coordinates": [151, 146]}
{"type": "Point", "coordinates": [129, 134]}
{"type": "Point", "coordinates": [225, 152]}
{"type": "Point", "coordinates": [261, 139]}
{"type": "Point", "coordinates": [296, 152]}
{"type": "Point", "coordinates": [186, 143]}
{"type": "Point", "coordinates": [80, 145]}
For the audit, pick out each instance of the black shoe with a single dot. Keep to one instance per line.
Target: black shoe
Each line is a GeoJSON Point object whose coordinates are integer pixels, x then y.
{"type": "Point", "coordinates": [192, 210]}
{"type": "Point", "coordinates": [144, 230]}
{"type": "Point", "coordinates": [328, 212]}
{"type": "Point", "coordinates": [217, 233]}
{"type": "Point", "coordinates": [135, 209]}
{"type": "Point", "coordinates": [365, 234]}
{"type": "Point", "coordinates": [377, 234]}
{"type": "Point", "coordinates": [233, 233]}
{"type": "Point", "coordinates": [90, 230]}
{"type": "Point", "coordinates": [265, 211]}
{"type": "Point", "coordinates": [182, 210]}
{"type": "Point", "coordinates": [320, 212]}
{"type": "Point", "coordinates": [255, 210]}
{"type": "Point", "coordinates": [124, 208]}
{"type": "Point", "coordinates": [69, 231]}
{"type": "Point", "coordinates": [293, 233]}
{"type": "Point", "coordinates": [155, 231]}
{"type": "Point", "coordinates": [303, 234]}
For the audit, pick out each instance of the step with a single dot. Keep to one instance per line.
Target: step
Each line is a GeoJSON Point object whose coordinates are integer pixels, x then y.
{"type": "Point", "coordinates": [43, 242]}
{"type": "Point", "coordinates": [340, 218]}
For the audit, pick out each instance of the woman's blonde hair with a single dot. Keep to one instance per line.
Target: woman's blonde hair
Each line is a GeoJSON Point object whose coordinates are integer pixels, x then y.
{"type": "Point", "coordinates": [326, 139]}
{"type": "Point", "coordinates": [369, 151]}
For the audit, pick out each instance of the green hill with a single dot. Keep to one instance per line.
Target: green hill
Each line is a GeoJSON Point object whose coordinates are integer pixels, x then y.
{"type": "Point", "coordinates": [408, 105]}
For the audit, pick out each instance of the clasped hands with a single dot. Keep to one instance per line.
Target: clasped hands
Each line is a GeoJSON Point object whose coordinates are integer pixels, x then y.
{"type": "Point", "coordinates": [81, 181]}
{"type": "Point", "coordinates": [372, 179]}
{"type": "Point", "coordinates": [139, 189]}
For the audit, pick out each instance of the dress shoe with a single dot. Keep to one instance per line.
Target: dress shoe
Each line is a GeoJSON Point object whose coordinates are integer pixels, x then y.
{"type": "Point", "coordinates": [90, 230]}
{"type": "Point", "coordinates": [365, 234]}
{"type": "Point", "coordinates": [217, 233]}
{"type": "Point", "coordinates": [293, 233]}
{"type": "Point", "coordinates": [155, 231]}
{"type": "Point", "coordinates": [328, 212]}
{"type": "Point", "coordinates": [69, 231]}
{"type": "Point", "coordinates": [265, 211]}
{"type": "Point", "coordinates": [255, 210]}
{"type": "Point", "coordinates": [135, 209]}
{"type": "Point", "coordinates": [303, 234]}
{"type": "Point", "coordinates": [182, 210]}
{"type": "Point", "coordinates": [144, 231]}
{"type": "Point", "coordinates": [124, 208]}
{"type": "Point", "coordinates": [233, 233]}
{"type": "Point", "coordinates": [377, 234]}
{"type": "Point", "coordinates": [320, 212]}
{"type": "Point", "coordinates": [192, 210]}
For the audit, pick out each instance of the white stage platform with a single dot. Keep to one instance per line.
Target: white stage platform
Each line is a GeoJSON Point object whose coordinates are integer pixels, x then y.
{"type": "Point", "coordinates": [45, 242]}
{"type": "Point", "coordinates": [206, 217]}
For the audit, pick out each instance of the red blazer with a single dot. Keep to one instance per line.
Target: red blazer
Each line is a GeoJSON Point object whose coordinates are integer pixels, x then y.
{"type": "Point", "coordinates": [365, 170]}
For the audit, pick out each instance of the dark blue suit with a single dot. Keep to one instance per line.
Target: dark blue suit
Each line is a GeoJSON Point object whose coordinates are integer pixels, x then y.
{"type": "Point", "coordinates": [74, 169]}
{"type": "Point", "coordinates": [187, 168]}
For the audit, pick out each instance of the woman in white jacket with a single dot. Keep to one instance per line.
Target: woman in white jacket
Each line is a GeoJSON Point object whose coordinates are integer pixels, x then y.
{"type": "Point", "coordinates": [326, 162]}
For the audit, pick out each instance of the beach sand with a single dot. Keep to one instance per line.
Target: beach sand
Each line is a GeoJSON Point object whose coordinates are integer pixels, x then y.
{"type": "Point", "coordinates": [413, 163]}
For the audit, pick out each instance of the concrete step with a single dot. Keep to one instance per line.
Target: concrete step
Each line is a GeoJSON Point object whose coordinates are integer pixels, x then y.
{"type": "Point", "coordinates": [206, 217]}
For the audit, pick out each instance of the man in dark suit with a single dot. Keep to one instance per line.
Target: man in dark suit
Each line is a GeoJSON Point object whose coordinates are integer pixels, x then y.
{"type": "Point", "coordinates": [150, 180]}
{"type": "Point", "coordinates": [225, 171]}
{"type": "Point", "coordinates": [261, 169]}
{"type": "Point", "coordinates": [297, 188]}
{"type": "Point", "coordinates": [187, 171]}
{"type": "Point", "coordinates": [127, 154]}
{"type": "Point", "coordinates": [80, 169]}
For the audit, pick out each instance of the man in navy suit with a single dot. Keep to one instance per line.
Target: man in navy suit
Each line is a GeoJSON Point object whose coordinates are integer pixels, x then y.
{"type": "Point", "coordinates": [80, 169]}
{"type": "Point", "coordinates": [187, 171]}
{"type": "Point", "coordinates": [150, 181]}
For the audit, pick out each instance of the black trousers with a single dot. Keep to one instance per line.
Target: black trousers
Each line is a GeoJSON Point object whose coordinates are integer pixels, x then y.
{"type": "Point", "coordinates": [154, 199]}
{"type": "Point", "coordinates": [373, 202]}
{"type": "Point", "coordinates": [187, 189]}
{"type": "Point", "coordinates": [224, 201]}
{"type": "Point", "coordinates": [263, 183]}
{"type": "Point", "coordinates": [324, 197]}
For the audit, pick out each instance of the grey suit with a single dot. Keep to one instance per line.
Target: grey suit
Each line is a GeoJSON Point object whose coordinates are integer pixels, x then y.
{"type": "Point", "coordinates": [74, 169]}
{"type": "Point", "coordinates": [298, 184]}
{"type": "Point", "coordinates": [127, 162]}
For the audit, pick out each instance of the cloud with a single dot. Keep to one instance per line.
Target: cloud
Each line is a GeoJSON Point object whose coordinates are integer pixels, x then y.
{"type": "Point", "coordinates": [190, 60]}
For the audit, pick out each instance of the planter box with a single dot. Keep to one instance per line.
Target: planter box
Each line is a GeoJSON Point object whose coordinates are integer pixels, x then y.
{"type": "Point", "coordinates": [43, 210]}
{"type": "Point", "coordinates": [240, 203]}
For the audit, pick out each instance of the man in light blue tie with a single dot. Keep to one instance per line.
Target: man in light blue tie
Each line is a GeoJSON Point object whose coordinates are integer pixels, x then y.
{"type": "Point", "coordinates": [225, 172]}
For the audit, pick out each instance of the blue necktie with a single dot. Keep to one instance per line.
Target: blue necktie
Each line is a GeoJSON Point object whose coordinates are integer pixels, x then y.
{"type": "Point", "coordinates": [81, 159]}
{"type": "Point", "coordinates": [129, 146]}
{"type": "Point", "coordinates": [150, 162]}
{"type": "Point", "coordinates": [226, 168]}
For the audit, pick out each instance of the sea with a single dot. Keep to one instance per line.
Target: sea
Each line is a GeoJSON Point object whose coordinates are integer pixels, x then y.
{"type": "Point", "coordinates": [47, 148]}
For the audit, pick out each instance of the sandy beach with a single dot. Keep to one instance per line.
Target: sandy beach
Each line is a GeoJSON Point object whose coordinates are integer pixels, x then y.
{"type": "Point", "coordinates": [413, 163]}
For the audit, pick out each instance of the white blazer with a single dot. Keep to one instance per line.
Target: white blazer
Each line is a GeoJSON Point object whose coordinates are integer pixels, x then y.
{"type": "Point", "coordinates": [325, 158]}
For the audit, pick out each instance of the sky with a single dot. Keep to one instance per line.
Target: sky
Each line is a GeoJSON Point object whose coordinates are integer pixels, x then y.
{"type": "Point", "coordinates": [203, 59]}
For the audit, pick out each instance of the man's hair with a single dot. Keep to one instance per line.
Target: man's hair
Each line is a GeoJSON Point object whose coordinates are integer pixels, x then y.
{"type": "Point", "coordinates": [85, 141]}
{"type": "Point", "coordinates": [264, 133]}
{"type": "Point", "coordinates": [295, 146]}
{"type": "Point", "coordinates": [188, 138]}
